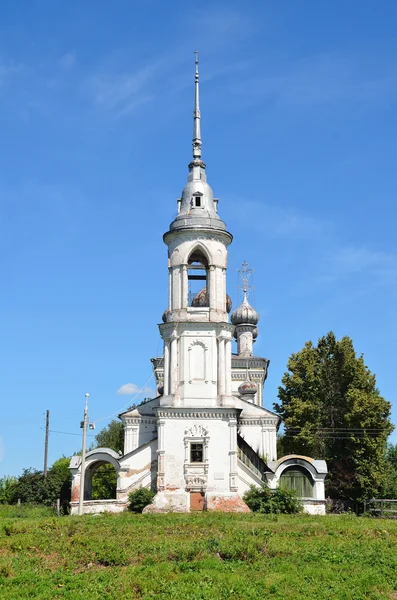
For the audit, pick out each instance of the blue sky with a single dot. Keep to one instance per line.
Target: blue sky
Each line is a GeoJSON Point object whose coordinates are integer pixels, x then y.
{"type": "Point", "coordinates": [299, 125]}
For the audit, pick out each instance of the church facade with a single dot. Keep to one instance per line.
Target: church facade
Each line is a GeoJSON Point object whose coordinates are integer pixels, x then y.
{"type": "Point", "coordinates": [205, 438]}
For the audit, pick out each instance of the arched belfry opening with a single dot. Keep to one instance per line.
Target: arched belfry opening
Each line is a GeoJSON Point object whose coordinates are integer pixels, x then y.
{"type": "Point", "coordinates": [198, 280]}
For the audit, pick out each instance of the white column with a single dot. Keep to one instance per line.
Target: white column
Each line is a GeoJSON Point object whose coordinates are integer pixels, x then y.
{"type": "Point", "coordinates": [221, 363]}
{"type": "Point", "coordinates": [273, 445]}
{"type": "Point", "coordinates": [265, 444]}
{"type": "Point", "coordinates": [233, 455]}
{"type": "Point", "coordinates": [176, 296]}
{"type": "Point", "coordinates": [212, 287]}
{"type": "Point", "coordinates": [134, 436]}
{"type": "Point", "coordinates": [228, 367]}
{"type": "Point", "coordinates": [174, 365]}
{"type": "Point", "coordinates": [127, 439]}
{"type": "Point", "coordinates": [185, 287]}
{"type": "Point", "coordinates": [166, 368]}
{"type": "Point", "coordinates": [219, 290]}
{"type": "Point", "coordinates": [160, 456]}
{"type": "Point", "coordinates": [169, 288]}
{"type": "Point", "coordinates": [223, 289]}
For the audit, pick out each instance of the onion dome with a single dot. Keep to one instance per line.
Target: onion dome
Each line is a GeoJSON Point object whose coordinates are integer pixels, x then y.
{"type": "Point", "coordinates": [165, 315]}
{"type": "Point", "coordinates": [201, 300]}
{"type": "Point", "coordinates": [248, 388]}
{"type": "Point", "coordinates": [244, 314]}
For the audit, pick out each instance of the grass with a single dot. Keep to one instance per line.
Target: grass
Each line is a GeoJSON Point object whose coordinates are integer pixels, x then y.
{"type": "Point", "coordinates": [202, 556]}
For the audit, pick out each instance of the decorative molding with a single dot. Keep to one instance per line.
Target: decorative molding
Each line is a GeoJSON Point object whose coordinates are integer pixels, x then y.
{"type": "Point", "coordinates": [239, 376]}
{"type": "Point", "coordinates": [140, 420]}
{"type": "Point", "coordinates": [269, 422]}
{"type": "Point", "coordinates": [196, 431]}
{"type": "Point", "coordinates": [195, 482]}
{"type": "Point", "coordinates": [195, 414]}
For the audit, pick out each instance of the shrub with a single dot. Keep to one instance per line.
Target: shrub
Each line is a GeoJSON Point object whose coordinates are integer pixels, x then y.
{"type": "Point", "coordinates": [139, 499]}
{"type": "Point", "coordinates": [266, 501]}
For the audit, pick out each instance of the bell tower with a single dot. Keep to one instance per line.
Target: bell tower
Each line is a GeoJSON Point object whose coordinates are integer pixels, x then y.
{"type": "Point", "coordinates": [196, 333]}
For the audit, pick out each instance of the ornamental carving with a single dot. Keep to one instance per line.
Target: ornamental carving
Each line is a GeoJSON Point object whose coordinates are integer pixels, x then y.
{"type": "Point", "coordinates": [195, 481]}
{"type": "Point", "coordinates": [196, 431]}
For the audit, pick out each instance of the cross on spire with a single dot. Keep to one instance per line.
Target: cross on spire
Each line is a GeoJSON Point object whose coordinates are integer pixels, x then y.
{"type": "Point", "coordinates": [196, 113]}
{"type": "Point", "coordinates": [245, 278]}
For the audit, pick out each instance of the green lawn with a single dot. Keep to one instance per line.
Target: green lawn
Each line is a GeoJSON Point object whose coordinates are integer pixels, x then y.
{"type": "Point", "coordinates": [197, 556]}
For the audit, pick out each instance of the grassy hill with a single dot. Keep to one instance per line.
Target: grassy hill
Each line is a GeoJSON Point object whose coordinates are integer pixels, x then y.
{"type": "Point", "coordinates": [197, 556]}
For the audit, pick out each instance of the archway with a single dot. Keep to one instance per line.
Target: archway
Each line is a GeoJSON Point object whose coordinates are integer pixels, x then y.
{"type": "Point", "coordinates": [299, 479]}
{"type": "Point", "coordinates": [100, 481]}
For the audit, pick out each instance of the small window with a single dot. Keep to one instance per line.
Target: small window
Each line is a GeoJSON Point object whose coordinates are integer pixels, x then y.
{"type": "Point", "coordinates": [196, 453]}
{"type": "Point", "coordinates": [197, 201]}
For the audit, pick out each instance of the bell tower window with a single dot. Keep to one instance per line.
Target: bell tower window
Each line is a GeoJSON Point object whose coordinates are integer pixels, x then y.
{"type": "Point", "coordinates": [198, 279]}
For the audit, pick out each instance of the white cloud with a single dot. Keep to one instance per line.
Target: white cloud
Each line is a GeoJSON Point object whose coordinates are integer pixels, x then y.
{"type": "Point", "coordinates": [129, 389]}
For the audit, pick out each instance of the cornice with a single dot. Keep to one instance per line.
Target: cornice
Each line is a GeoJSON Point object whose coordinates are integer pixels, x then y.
{"type": "Point", "coordinates": [194, 413]}
{"type": "Point", "coordinates": [269, 422]}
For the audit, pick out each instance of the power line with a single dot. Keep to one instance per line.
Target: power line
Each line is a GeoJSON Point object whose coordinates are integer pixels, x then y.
{"type": "Point", "coordinates": [70, 433]}
{"type": "Point", "coordinates": [117, 412]}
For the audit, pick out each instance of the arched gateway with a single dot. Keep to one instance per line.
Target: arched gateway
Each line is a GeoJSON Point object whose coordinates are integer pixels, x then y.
{"type": "Point", "coordinates": [205, 438]}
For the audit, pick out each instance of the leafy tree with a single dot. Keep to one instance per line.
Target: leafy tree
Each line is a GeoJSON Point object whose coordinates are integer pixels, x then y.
{"type": "Point", "coordinates": [104, 482]}
{"type": "Point", "coordinates": [389, 488]}
{"type": "Point", "coordinates": [267, 501]}
{"type": "Point", "coordinates": [7, 486]}
{"type": "Point", "coordinates": [332, 410]}
{"type": "Point", "coordinates": [33, 487]}
{"type": "Point", "coordinates": [111, 436]}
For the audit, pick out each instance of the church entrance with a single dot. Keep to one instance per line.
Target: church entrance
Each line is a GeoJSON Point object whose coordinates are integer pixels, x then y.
{"type": "Point", "coordinates": [196, 501]}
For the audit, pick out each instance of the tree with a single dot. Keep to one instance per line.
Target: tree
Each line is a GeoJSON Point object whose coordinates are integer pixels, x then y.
{"type": "Point", "coordinates": [7, 487]}
{"type": "Point", "coordinates": [111, 436]}
{"type": "Point", "coordinates": [389, 488]}
{"type": "Point", "coordinates": [332, 410]}
{"type": "Point", "coordinates": [33, 487]}
{"type": "Point", "coordinates": [104, 482]}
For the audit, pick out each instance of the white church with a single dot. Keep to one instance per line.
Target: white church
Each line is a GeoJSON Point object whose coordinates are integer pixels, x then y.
{"type": "Point", "coordinates": [205, 438]}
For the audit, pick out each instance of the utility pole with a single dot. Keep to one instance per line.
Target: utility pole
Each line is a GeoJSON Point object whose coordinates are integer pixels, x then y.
{"type": "Point", "coordinates": [47, 431]}
{"type": "Point", "coordinates": [82, 470]}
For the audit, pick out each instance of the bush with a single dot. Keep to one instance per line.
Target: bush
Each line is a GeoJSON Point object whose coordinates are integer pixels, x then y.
{"type": "Point", "coordinates": [139, 499]}
{"type": "Point", "coordinates": [266, 501]}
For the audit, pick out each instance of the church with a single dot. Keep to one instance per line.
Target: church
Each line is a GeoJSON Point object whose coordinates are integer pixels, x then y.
{"type": "Point", "coordinates": [205, 438]}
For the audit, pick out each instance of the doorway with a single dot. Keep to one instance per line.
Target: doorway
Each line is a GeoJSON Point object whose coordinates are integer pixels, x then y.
{"type": "Point", "coordinates": [196, 501]}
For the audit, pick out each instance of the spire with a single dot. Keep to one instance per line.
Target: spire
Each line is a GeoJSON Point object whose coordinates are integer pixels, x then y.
{"type": "Point", "coordinates": [196, 114]}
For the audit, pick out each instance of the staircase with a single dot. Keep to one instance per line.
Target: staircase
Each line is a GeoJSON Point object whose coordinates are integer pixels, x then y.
{"type": "Point", "coordinates": [251, 460]}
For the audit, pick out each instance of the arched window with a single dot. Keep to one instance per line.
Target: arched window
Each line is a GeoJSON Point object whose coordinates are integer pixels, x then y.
{"type": "Point", "coordinates": [198, 279]}
{"type": "Point", "coordinates": [299, 479]}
